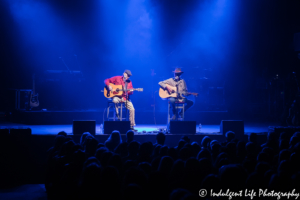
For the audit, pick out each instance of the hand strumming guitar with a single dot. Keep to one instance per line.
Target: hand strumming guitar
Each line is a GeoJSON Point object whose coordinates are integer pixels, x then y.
{"type": "Point", "coordinates": [169, 89]}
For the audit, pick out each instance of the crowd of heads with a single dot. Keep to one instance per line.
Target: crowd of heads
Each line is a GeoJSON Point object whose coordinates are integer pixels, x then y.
{"type": "Point", "coordinates": [131, 170]}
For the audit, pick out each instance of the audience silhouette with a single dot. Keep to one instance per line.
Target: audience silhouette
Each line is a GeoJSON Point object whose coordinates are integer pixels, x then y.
{"type": "Point", "coordinates": [133, 170]}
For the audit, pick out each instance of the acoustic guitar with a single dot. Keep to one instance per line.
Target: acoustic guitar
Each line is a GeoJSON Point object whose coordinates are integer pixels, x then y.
{"type": "Point", "coordinates": [164, 93]}
{"type": "Point", "coordinates": [34, 101]}
{"type": "Point", "coordinates": [117, 90]}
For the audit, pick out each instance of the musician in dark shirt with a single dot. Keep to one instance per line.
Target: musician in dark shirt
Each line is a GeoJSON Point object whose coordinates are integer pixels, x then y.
{"type": "Point", "coordinates": [181, 87]}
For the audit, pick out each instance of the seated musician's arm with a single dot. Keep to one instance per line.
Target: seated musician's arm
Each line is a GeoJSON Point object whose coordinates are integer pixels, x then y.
{"type": "Point", "coordinates": [110, 80]}
{"type": "Point", "coordinates": [163, 83]}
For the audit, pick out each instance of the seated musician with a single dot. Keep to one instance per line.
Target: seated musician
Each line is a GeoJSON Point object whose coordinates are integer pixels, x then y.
{"type": "Point", "coordinates": [179, 83]}
{"type": "Point", "coordinates": [127, 84]}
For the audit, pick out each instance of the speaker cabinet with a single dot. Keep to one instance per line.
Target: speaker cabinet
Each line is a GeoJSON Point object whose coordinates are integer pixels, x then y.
{"type": "Point", "coordinates": [4, 132]}
{"type": "Point", "coordinates": [288, 130]}
{"type": "Point", "coordinates": [182, 127]}
{"type": "Point", "coordinates": [236, 126]}
{"type": "Point", "coordinates": [121, 126]}
{"type": "Point", "coordinates": [80, 127]}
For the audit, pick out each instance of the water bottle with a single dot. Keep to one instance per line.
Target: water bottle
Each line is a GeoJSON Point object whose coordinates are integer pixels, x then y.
{"type": "Point", "coordinates": [200, 126]}
{"type": "Point", "coordinates": [101, 128]}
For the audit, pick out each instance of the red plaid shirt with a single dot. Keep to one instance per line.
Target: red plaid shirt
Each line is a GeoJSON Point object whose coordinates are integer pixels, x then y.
{"type": "Point", "coordinates": [118, 80]}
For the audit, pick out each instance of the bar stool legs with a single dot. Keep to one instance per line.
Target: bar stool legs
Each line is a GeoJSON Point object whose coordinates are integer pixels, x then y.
{"type": "Point", "coordinates": [113, 115]}
{"type": "Point", "coordinates": [178, 105]}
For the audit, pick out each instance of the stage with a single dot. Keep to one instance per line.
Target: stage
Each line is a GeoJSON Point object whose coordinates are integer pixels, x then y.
{"type": "Point", "coordinates": [145, 132]}
{"type": "Point", "coordinates": [142, 129]}
{"type": "Point", "coordinates": [42, 136]}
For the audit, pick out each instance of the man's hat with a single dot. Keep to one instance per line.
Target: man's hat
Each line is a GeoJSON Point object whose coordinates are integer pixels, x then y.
{"type": "Point", "coordinates": [128, 72]}
{"type": "Point", "coordinates": [178, 71]}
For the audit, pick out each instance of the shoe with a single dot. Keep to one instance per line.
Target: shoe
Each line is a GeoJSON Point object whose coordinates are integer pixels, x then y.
{"type": "Point", "coordinates": [132, 128]}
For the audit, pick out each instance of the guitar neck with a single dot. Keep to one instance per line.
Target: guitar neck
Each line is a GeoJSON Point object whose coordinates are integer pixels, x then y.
{"type": "Point", "coordinates": [194, 94]}
{"type": "Point", "coordinates": [133, 89]}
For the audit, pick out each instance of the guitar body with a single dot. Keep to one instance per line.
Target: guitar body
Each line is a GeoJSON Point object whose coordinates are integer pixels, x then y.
{"type": "Point", "coordinates": [34, 101]}
{"type": "Point", "coordinates": [117, 91]}
{"type": "Point", "coordinates": [164, 93]}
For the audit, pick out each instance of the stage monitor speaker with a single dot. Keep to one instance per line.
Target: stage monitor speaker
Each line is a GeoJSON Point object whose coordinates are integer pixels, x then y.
{"type": "Point", "coordinates": [82, 126]}
{"type": "Point", "coordinates": [236, 126]}
{"type": "Point", "coordinates": [20, 132]}
{"type": "Point", "coordinates": [121, 126]}
{"type": "Point", "coordinates": [289, 131]}
{"type": "Point", "coordinates": [182, 127]}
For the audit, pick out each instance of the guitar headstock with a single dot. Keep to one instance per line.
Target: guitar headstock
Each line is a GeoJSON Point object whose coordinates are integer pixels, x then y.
{"type": "Point", "coordinates": [194, 94]}
{"type": "Point", "coordinates": [139, 89]}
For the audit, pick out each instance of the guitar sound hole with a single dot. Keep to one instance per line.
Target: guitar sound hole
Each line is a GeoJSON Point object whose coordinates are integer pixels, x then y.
{"type": "Point", "coordinates": [117, 91]}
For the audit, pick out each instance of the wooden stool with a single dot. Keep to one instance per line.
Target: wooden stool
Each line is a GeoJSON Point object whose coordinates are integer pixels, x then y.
{"type": "Point", "coordinates": [112, 115]}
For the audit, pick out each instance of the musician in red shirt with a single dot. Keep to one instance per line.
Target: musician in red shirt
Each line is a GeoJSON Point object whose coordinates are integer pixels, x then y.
{"type": "Point", "coordinates": [127, 85]}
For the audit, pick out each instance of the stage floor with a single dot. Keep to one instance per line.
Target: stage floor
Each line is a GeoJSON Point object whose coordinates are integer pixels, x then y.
{"type": "Point", "coordinates": [259, 128]}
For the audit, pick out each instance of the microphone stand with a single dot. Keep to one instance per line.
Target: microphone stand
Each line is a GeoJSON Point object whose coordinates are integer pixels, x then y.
{"type": "Point", "coordinates": [177, 94]}
{"type": "Point", "coordinates": [126, 85]}
{"type": "Point", "coordinates": [66, 65]}
{"type": "Point", "coordinates": [126, 104]}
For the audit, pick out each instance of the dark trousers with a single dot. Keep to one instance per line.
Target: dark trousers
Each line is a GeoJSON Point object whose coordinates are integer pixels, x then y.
{"type": "Point", "coordinates": [188, 104]}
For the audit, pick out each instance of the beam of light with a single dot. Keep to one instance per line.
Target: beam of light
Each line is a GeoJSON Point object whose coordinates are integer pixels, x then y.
{"type": "Point", "coordinates": [138, 34]}
{"type": "Point", "coordinates": [128, 30]}
{"type": "Point", "coordinates": [40, 32]}
{"type": "Point", "coordinates": [212, 33]}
